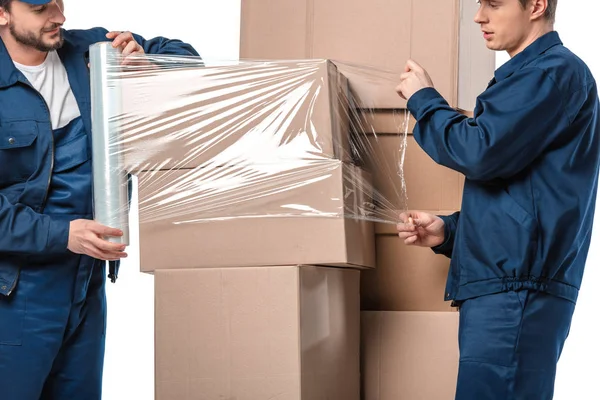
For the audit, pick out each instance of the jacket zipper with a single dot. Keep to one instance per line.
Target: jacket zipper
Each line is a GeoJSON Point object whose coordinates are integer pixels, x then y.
{"type": "Point", "coordinates": [52, 150]}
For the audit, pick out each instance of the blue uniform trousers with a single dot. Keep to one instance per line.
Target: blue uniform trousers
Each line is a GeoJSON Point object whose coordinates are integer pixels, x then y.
{"type": "Point", "coordinates": [53, 331]}
{"type": "Point", "coordinates": [510, 344]}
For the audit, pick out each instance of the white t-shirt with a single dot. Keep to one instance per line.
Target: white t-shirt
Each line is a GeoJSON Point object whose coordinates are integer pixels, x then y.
{"type": "Point", "coordinates": [50, 79]}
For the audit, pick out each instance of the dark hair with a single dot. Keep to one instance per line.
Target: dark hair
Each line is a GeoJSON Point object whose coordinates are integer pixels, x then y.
{"type": "Point", "coordinates": [550, 14]}
{"type": "Point", "coordinates": [5, 4]}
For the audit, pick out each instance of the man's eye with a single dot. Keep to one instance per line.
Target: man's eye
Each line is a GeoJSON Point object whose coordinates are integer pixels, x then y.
{"type": "Point", "coordinates": [39, 10]}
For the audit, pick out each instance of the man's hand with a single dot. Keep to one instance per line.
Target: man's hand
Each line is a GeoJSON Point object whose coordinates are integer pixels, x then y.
{"type": "Point", "coordinates": [129, 47]}
{"type": "Point", "coordinates": [87, 237]}
{"type": "Point", "coordinates": [421, 229]}
{"type": "Point", "coordinates": [412, 80]}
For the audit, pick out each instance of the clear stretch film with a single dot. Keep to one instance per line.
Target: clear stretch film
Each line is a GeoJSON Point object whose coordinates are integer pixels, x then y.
{"type": "Point", "coordinates": [110, 178]}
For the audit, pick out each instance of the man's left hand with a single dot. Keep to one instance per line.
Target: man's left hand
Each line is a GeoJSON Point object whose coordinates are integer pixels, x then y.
{"type": "Point", "coordinates": [412, 80]}
{"type": "Point", "coordinates": [128, 45]}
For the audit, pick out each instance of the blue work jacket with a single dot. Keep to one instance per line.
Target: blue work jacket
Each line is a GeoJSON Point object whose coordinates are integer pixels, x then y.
{"type": "Point", "coordinates": [530, 157]}
{"type": "Point", "coordinates": [27, 151]}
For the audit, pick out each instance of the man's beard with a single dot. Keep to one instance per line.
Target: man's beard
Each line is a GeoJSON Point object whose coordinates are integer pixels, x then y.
{"type": "Point", "coordinates": [32, 40]}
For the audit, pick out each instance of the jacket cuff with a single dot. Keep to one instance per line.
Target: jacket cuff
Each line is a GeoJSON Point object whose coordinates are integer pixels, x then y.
{"type": "Point", "coordinates": [58, 235]}
{"type": "Point", "coordinates": [417, 102]}
{"type": "Point", "coordinates": [449, 229]}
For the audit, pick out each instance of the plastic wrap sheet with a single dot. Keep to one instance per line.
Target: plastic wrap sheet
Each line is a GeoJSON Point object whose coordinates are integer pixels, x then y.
{"type": "Point", "coordinates": [247, 139]}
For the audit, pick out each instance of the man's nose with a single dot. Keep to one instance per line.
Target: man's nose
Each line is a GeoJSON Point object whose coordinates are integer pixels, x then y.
{"type": "Point", "coordinates": [57, 15]}
{"type": "Point", "coordinates": [480, 17]}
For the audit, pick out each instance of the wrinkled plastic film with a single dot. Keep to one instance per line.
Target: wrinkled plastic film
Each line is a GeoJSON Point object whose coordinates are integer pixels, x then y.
{"type": "Point", "coordinates": [109, 174]}
{"type": "Point", "coordinates": [253, 139]}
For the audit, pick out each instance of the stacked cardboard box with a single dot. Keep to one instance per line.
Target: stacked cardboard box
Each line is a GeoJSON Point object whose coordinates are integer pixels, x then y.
{"type": "Point", "coordinates": [405, 321]}
{"type": "Point", "coordinates": [250, 209]}
{"type": "Point", "coordinates": [254, 307]}
{"type": "Point", "coordinates": [380, 34]}
{"type": "Point", "coordinates": [410, 355]}
{"type": "Point", "coordinates": [409, 333]}
{"type": "Point", "coordinates": [255, 333]}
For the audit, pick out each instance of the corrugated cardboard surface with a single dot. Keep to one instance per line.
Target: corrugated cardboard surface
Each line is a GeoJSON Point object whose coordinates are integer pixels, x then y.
{"type": "Point", "coordinates": [228, 115]}
{"type": "Point", "coordinates": [409, 355]}
{"type": "Point", "coordinates": [381, 34]}
{"type": "Point", "coordinates": [429, 186]}
{"type": "Point", "coordinates": [310, 217]}
{"type": "Point", "coordinates": [257, 333]}
{"type": "Point", "coordinates": [388, 122]}
{"type": "Point", "coordinates": [407, 278]}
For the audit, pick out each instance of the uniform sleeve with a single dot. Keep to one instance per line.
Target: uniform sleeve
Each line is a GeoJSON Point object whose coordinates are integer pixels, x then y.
{"type": "Point", "coordinates": [157, 45]}
{"type": "Point", "coordinates": [450, 224]}
{"type": "Point", "coordinates": [162, 45]}
{"type": "Point", "coordinates": [521, 116]}
{"type": "Point", "coordinates": [25, 232]}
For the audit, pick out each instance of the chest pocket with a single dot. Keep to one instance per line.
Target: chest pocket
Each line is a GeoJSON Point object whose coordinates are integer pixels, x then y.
{"type": "Point", "coordinates": [71, 147]}
{"type": "Point", "coordinates": [18, 158]}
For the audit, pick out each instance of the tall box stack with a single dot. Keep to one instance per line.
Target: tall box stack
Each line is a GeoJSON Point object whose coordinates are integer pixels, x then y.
{"type": "Point", "coordinates": [409, 334]}
{"type": "Point", "coordinates": [255, 219]}
{"type": "Point", "coordinates": [268, 193]}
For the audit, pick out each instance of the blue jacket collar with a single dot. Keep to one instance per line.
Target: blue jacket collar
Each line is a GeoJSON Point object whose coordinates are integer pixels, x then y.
{"type": "Point", "coordinates": [539, 46]}
{"type": "Point", "coordinates": [9, 74]}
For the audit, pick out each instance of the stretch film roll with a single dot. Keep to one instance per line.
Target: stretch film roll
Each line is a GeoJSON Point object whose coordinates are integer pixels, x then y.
{"type": "Point", "coordinates": [110, 178]}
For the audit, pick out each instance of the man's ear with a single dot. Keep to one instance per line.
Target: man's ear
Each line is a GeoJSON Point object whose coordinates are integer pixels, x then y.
{"type": "Point", "coordinates": [538, 8]}
{"type": "Point", "coordinates": [4, 16]}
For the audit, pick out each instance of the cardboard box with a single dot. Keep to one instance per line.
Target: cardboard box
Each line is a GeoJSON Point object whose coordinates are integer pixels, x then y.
{"type": "Point", "coordinates": [257, 333]}
{"type": "Point", "coordinates": [189, 116]}
{"type": "Point", "coordinates": [409, 355]}
{"type": "Point", "coordinates": [374, 39]}
{"type": "Point", "coordinates": [407, 278]}
{"type": "Point", "coordinates": [429, 186]}
{"type": "Point", "coordinates": [256, 215]}
{"type": "Point", "coordinates": [387, 122]}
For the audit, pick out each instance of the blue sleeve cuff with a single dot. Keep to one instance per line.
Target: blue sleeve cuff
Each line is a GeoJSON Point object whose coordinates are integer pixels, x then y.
{"type": "Point", "coordinates": [58, 236]}
{"type": "Point", "coordinates": [417, 102]}
{"type": "Point", "coordinates": [450, 222]}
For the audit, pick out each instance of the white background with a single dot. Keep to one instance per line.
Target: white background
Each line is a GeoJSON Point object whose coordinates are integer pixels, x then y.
{"type": "Point", "coordinates": [212, 27]}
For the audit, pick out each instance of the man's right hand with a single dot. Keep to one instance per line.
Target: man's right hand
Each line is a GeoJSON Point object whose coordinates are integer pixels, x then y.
{"type": "Point", "coordinates": [421, 229]}
{"type": "Point", "coordinates": [87, 237]}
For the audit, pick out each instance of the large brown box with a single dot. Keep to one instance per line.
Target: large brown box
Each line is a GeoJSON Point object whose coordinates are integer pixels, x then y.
{"type": "Point", "coordinates": [407, 278]}
{"type": "Point", "coordinates": [409, 355]}
{"type": "Point", "coordinates": [380, 35]}
{"type": "Point", "coordinates": [256, 215]}
{"type": "Point", "coordinates": [233, 114]}
{"type": "Point", "coordinates": [257, 333]}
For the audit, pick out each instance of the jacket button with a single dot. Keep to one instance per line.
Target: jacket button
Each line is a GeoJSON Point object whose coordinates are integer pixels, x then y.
{"type": "Point", "coordinates": [3, 287]}
{"type": "Point", "coordinates": [11, 140]}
